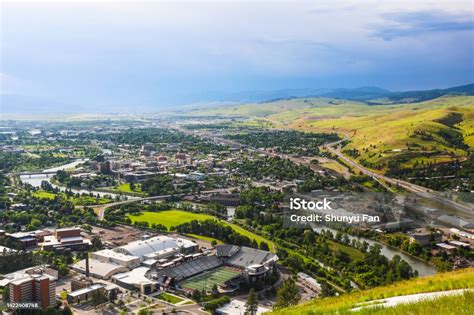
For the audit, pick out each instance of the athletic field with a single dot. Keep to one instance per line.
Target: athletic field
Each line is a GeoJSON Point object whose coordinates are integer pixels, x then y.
{"type": "Point", "coordinates": [207, 280]}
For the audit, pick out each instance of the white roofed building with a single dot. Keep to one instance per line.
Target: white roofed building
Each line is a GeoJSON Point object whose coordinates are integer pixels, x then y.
{"type": "Point", "coordinates": [108, 255]}
{"type": "Point", "coordinates": [152, 247]}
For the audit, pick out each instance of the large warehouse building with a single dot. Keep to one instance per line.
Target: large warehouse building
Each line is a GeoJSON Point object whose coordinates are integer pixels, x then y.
{"type": "Point", "coordinates": [158, 247]}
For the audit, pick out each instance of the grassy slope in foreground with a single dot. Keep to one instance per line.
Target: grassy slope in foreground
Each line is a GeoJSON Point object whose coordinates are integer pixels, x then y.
{"type": "Point", "coordinates": [462, 304]}
{"type": "Point", "coordinates": [459, 279]}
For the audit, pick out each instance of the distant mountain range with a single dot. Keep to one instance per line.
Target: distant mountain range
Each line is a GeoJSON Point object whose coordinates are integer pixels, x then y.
{"type": "Point", "coordinates": [20, 104]}
{"type": "Point", "coordinates": [369, 94]}
{"type": "Point", "coordinates": [375, 95]}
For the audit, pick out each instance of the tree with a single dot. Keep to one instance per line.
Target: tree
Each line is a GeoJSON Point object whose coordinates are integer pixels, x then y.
{"type": "Point", "coordinates": [112, 295]}
{"type": "Point", "coordinates": [251, 306]}
{"type": "Point", "coordinates": [215, 291]}
{"type": "Point", "coordinates": [96, 242]}
{"type": "Point", "coordinates": [326, 289]}
{"type": "Point", "coordinates": [144, 311]}
{"type": "Point", "coordinates": [6, 294]}
{"type": "Point", "coordinates": [196, 295]}
{"type": "Point", "coordinates": [287, 294]}
{"type": "Point", "coordinates": [264, 246]}
{"type": "Point", "coordinates": [66, 310]}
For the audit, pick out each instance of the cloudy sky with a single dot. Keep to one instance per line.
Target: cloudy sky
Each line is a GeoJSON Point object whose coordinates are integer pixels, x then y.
{"type": "Point", "coordinates": [156, 53]}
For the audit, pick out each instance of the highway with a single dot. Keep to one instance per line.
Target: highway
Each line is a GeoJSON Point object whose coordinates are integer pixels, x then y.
{"type": "Point", "coordinates": [461, 208]}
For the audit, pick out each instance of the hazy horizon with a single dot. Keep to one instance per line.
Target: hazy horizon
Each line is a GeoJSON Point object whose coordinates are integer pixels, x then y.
{"type": "Point", "coordinates": [105, 56]}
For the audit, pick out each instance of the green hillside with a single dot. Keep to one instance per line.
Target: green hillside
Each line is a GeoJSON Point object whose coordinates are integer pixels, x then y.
{"type": "Point", "coordinates": [434, 131]}
{"type": "Point", "coordinates": [459, 304]}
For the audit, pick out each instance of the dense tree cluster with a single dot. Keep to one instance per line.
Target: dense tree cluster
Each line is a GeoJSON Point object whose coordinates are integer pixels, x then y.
{"type": "Point", "coordinates": [217, 230]}
{"type": "Point", "coordinates": [16, 161]}
{"type": "Point", "coordinates": [65, 179]}
{"type": "Point", "coordinates": [287, 142]}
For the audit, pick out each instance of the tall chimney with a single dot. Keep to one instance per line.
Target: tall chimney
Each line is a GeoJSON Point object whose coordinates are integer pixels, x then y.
{"type": "Point", "coordinates": [87, 264]}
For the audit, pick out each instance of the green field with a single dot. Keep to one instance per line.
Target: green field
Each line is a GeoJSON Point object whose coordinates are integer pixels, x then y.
{"type": "Point", "coordinates": [125, 188]}
{"type": "Point", "coordinates": [170, 298]}
{"type": "Point", "coordinates": [44, 194]}
{"type": "Point", "coordinates": [205, 238]}
{"type": "Point", "coordinates": [207, 280]}
{"type": "Point", "coordinates": [459, 279]}
{"type": "Point", "coordinates": [352, 252]}
{"type": "Point", "coordinates": [171, 218]}
{"type": "Point", "coordinates": [78, 201]}
{"type": "Point", "coordinates": [253, 236]}
{"type": "Point", "coordinates": [168, 218]}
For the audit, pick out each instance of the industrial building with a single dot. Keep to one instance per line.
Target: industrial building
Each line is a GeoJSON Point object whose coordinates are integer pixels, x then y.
{"type": "Point", "coordinates": [110, 256]}
{"type": "Point", "coordinates": [158, 247]}
{"type": "Point", "coordinates": [136, 279]}
{"type": "Point", "coordinates": [98, 268]}
{"type": "Point", "coordinates": [66, 238]}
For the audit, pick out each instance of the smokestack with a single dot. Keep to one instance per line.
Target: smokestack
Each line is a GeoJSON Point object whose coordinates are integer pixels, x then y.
{"type": "Point", "coordinates": [87, 264]}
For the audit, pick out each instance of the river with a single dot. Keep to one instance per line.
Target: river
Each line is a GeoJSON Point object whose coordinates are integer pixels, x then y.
{"type": "Point", "coordinates": [424, 269]}
{"type": "Point", "coordinates": [36, 179]}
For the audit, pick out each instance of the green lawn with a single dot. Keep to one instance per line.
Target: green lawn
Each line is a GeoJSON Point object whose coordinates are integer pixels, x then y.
{"type": "Point", "coordinates": [205, 238]}
{"type": "Point", "coordinates": [352, 252]}
{"type": "Point", "coordinates": [44, 194]}
{"type": "Point", "coordinates": [207, 280]}
{"type": "Point", "coordinates": [169, 218]}
{"type": "Point", "coordinates": [125, 189]}
{"type": "Point", "coordinates": [78, 201]}
{"type": "Point", "coordinates": [89, 201]}
{"type": "Point", "coordinates": [173, 299]}
{"type": "Point", "coordinates": [253, 236]}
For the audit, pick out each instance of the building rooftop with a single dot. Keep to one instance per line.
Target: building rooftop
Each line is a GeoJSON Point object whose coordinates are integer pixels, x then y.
{"type": "Point", "coordinates": [108, 253]}
{"type": "Point", "coordinates": [85, 290]}
{"type": "Point", "coordinates": [247, 256]}
{"type": "Point", "coordinates": [99, 268]}
{"type": "Point", "coordinates": [152, 245]}
{"type": "Point", "coordinates": [136, 276]}
{"type": "Point", "coordinates": [445, 246]}
{"type": "Point", "coordinates": [458, 243]}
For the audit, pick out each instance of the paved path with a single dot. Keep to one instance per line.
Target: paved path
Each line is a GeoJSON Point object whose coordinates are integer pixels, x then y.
{"type": "Point", "coordinates": [412, 298]}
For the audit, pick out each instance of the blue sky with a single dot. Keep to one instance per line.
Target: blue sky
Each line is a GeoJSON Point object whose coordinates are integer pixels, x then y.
{"type": "Point", "coordinates": [134, 54]}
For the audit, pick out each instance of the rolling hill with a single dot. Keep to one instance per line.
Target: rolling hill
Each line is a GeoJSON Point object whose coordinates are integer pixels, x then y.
{"type": "Point", "coordinates": [433, 131]}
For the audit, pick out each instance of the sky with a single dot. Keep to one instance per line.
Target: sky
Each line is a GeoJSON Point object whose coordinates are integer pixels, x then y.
{"type": "Point", "coordinates": [141, 54]}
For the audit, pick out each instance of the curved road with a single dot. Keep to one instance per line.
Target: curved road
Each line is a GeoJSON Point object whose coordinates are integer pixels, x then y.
{"type": "Point", "coordinates": [100, 209]}
{"type": "Point", "coordinates": [462, 208]}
